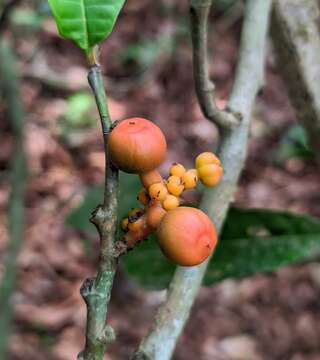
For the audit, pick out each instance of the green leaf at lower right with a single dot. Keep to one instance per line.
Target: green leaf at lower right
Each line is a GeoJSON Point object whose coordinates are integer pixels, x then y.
{"type": "Point", "coordinates": [254, 241]}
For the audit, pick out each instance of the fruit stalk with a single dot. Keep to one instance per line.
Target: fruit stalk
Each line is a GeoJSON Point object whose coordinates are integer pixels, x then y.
{"type": "Point", "coordinates": [96, 291]}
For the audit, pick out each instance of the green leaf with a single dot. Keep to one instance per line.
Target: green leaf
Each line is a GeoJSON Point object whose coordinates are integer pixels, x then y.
{"type": "Point", "coordinates": [252, 241]}
{"type": "Point", "coordinates": [25, 19]}
{"type": "Point", "coordinates": [145, 52]}
{"type": "Point", "coordinates": [86, 22]}
{"type": "Point", "coordinates": [147, 266]}
{"type": "Point", "coordinates": [78, 108]}
{"type": "Point", "coordinates": [294, 144]}
{"type": "Point", "coordinates": [256, 241]}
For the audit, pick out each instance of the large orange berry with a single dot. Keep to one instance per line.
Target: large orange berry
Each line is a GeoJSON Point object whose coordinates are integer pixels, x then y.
{"type": "Point", "coordinates": [174, 185]}
{"type": "Point", "coordinates": [186, 236]}
{"type": "Point", "coordinates": [207, 158]}
{"type": "Point", "coordinates": [210, 174]}
{"type": "Point", "coordinates": [150, 177]}
{"type": "Point", "coordinates": [158, 191]}
{"type": "Point", "coordinates": [137, 145]}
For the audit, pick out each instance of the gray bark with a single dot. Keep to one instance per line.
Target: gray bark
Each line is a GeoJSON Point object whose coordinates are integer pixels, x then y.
{"type": "Point", "coordinates": [296, 37]}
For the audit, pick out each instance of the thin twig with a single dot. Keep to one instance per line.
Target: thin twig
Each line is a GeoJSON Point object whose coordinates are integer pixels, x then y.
{"type": "Point", "coordinates": [173, 314]}
{"type": "Point", "coordinates": [9, 87]}
{"type": "Point", "coordinates": [96, 291]}
{"type": "Point", "coordinates": [199, 13]}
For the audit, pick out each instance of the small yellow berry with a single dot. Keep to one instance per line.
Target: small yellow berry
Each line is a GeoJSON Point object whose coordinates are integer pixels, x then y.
{"type": "Point", "coordinates": [144, 197]}
{"type": "Point", "coordinates": [158, 191]}
{"type": "Point", "coordinates": [190, 179]}
{"type": "Point", "coordinates": [206, 158]}
{"type": "Point", "coordinates": [174, 185]}
{"type": "Point", "coordinates": [177, 170]}
{"type": "Point", "coordinates": [210, 174]}
{"type": "Point", "coordinates": [136, 225]}
{"type": "Point", "coordinates": [135, 212]}
{"type": "Point", "coordinates": [124, 224]}
{"type": "Point", "coordinates": [170, 202]}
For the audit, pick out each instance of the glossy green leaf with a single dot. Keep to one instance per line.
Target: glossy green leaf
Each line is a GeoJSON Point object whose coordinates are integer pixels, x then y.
{"type": "Point", "coordinates": [256, 241]}
{"type": "Point", "coordinates": [86, 22]}
{"type": "Point", "coordinates": [252, 241]}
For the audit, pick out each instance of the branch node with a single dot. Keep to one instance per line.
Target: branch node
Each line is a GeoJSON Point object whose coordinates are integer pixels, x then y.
{"type": "Point", "coordinates": [209, 87]}
{"type": "Point", "coordinates": [225, 119]}
{"type": "Point", "coordinates": [86, 288]}
{"type": "Point", "coordinates": [236, 114]}
{"type": "Point", "coordinates": [98, 216]}
{"type": "Point", "coordinates": [108, 335]}
{"type": "Point", "coordinates": [114, 124]}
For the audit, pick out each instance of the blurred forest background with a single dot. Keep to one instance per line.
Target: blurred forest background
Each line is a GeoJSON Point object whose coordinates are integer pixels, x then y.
{"type": "Point", "coordinates": [147, 64]}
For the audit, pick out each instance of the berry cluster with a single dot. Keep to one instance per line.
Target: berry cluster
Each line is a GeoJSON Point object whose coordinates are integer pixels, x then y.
{"type": "Point", "coordinates": [186, 235]}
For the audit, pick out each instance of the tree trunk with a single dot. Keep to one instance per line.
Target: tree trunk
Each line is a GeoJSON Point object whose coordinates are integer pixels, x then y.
{"type": "Point", "coordinates": [296, 36]}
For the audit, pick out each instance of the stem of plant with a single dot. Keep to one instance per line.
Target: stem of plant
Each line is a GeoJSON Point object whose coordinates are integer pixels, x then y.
{"type": "Point", "coordinates": [96, 291]}
{"type": "Point", "coordinates": [10, 87]}
{"type": "Point", "coordinates": [199, 14]}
